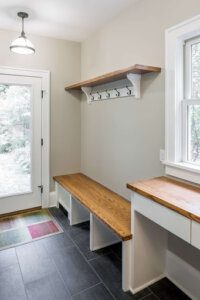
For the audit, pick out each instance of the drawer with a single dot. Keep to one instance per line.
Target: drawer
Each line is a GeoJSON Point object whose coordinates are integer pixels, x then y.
{"type": "Point", "coordinates": [163, 216]}
{"type": "Point", "coordinates": [195, 241]}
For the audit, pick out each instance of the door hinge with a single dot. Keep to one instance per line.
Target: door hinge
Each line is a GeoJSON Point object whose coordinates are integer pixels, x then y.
{"type": "Point", "coordinates": [42, 142]}
{"type": "Point", "coordinates": [42, 94]}
{"type": "Point", "coordinates": [41, 188]}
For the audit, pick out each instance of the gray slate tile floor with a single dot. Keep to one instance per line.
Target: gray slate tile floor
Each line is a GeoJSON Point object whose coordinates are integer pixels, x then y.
{"type": "Point", "coordinates": [62, 267]}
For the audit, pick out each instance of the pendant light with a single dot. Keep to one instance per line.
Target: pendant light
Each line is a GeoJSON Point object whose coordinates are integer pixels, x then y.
{"type": "Point", "coordinates": [22, 45]}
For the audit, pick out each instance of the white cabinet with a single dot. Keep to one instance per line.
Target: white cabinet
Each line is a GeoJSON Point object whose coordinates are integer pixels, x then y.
{"type": "Point", "coordinates": [163, 216]}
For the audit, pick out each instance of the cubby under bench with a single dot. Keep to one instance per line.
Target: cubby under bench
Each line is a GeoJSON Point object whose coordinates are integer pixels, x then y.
{"type": "Point", "coordinates": [109, 214]}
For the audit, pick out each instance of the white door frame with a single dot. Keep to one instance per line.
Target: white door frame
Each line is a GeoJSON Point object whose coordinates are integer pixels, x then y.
{"type": "Point", "coordinates": [45, 98]}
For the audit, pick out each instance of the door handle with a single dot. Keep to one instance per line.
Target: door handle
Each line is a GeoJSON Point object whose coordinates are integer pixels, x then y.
{"type": "Point", "coordinates": [41, 188]}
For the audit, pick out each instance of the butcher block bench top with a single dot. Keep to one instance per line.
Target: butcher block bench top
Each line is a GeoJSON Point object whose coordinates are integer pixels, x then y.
{"type": "Point", "coordinates": [178, 196]}
{"type": "Point", "coordinates": [109, 207]}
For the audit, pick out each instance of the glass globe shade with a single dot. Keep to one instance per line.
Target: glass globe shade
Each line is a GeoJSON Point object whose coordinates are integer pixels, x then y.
{"type": "Point", "coordinates": [22, 46]}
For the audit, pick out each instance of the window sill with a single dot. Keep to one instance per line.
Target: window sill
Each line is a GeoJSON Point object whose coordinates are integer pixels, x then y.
{"type": "Point", "coordinates": [184, 171]}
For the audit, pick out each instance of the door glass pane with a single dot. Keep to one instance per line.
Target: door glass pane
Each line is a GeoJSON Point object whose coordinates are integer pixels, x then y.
{"type": "Point", "coordinates": [194, 133]}
{"type": "Point", "coordinates": [196, 70]}
{"type": "Point", "coordinates": [15, 139]}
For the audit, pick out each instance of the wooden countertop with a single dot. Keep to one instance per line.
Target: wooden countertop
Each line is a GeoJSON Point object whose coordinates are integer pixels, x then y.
{"type": "Point", "coordinates": [109, 207]}
{"type": "Point", "coordinates": [180, 197]}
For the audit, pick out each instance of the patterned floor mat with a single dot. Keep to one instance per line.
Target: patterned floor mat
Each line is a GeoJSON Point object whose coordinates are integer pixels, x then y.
{"type": "Point", "coordinates": [27, 227]}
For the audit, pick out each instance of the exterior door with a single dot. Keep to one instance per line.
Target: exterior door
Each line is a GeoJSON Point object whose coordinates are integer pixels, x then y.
{"type": "Point", "coordinates": [20, 143]}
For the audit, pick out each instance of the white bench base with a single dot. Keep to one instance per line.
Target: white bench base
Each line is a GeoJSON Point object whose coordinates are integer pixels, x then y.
{"type": "Point", "coordinates": [100, 235]}
{"type": "Point", "coordinates": [77, 213]}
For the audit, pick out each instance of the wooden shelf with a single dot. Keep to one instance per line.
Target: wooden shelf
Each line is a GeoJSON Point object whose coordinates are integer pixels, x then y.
{"type": "Point", "coordinates": [113, 76]}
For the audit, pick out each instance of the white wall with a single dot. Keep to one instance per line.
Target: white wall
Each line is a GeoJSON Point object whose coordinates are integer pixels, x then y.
{"type": "Point", "coordinates": [121, 138]}
{"type": "Point", "coordinates": [62, 58]}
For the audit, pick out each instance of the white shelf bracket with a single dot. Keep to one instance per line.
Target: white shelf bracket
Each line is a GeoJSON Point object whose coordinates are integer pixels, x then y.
{"type": "Point", "coordinates": [135, 81]}
{"type": "Point", "coordinates": [87, 92]}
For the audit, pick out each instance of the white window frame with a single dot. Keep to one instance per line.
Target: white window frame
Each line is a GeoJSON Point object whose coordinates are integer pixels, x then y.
{"type": "Point", "coordinates": [45, 77]}
{"type": "Point", "coordinates": [188, 99]}
{"type": "Point", "coordinates": [175, 139]}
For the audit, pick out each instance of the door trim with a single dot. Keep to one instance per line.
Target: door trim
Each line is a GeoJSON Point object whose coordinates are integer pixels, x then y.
{"type": "Point", "coordinates": [45, 100]}
{"type": "Point", "coordinates": [22, 211]}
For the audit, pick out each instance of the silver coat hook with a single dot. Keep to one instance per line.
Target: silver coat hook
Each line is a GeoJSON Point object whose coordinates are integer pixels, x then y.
{"type": "Point", "coordinates": [99, 95]}
{"type": "Point", "coordinates": [129, 91]}
{"type": "Point", "coordinates": [92, 97]}
{"type": "Point", "coordinates": [118, 93]}
{"type": "Point", "coordinates": [107, 94]}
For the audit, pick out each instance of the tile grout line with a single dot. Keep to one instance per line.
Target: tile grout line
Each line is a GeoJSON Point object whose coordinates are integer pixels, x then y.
{"type": "Point", "coordinates": [143, 298]}
{"type": "Point", "coordinates": [154, 294]}
{"type": "Point", "coordinates": [75, 245]}
{"type": "Point", "coordinates": [100, 254]}
{"type": "Point", "coordinates": [91, 266]}
{"type": "Point", "coordinates": [88, 262]}
{"type": "Point", "coordinates": [86, 289]}
{"type": "Point", "coordinates": [21, 274]}
{"type": "Point", "coordinates": [101, 281]}
{"type": "Point", "coordinates": [57, 219]}
{"type": "Point", "coordinates": [60, 275]}
{"type": "Point", "coordinates": [91, 259]}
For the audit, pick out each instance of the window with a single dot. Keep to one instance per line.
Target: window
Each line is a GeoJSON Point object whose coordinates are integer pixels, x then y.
{"type": "Point", "coordinates": [182, 130]}
{"type": "Point", "coordinates": [191, 102]}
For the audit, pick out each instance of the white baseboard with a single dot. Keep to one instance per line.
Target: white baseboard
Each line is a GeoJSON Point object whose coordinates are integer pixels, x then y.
{"type": "Point", "coordinates": [140, 288]}
{"type": "Point", "coordinates": [79, 221]}
{"type": "Point", "coordinates": [183, 275]}
{"type": "Point", "coordinates": [52, 199]}
{"type": "Point", "coordinates": [63, 205]}
{"type": "Point", "coordinates": [181, 287]}
{"type": "Point", "coordinates": [105, 245]}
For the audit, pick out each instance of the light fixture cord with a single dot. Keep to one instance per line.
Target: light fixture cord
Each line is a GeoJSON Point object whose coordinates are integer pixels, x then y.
{"type": "Point", "coordinates": [23, 33]}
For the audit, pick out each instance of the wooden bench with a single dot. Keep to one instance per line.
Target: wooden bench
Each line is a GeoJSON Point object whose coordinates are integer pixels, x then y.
{"type": "Point", "coordinates": [109, 214]}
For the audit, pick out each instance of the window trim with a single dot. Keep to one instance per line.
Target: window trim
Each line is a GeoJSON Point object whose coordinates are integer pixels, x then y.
{"type": "Point", "coordinates": [175, 38]}
{"type": "Point", "coordinates": [188, 97]}
{"type": "Point", "coordinates": [188, 69]}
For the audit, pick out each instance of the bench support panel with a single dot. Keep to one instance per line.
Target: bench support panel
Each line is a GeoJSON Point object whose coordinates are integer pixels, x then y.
{"type": "Point", "coordinates": [63, 197]}
{"type": "Point", "coordinates": [126, 265]}
{"type": "Point", "coordinates": [79, 213]}
{"type": "Point", "coordinates": [100, 235]}
{"type": "Point", "coordinates": [149, 246]}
